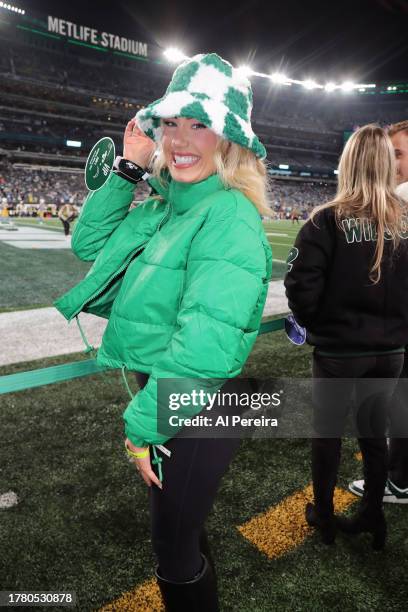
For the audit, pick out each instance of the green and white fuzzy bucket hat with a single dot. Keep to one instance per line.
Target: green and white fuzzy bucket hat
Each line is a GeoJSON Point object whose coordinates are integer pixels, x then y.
{"type": "Point", "coordinates": [209, 89]}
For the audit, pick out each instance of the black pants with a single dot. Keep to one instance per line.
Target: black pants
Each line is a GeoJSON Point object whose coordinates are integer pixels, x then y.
{"type": "Point", "coordinates": [398, 444]}
{"type": "Point", "coordinates": [331, 403]}
{"type": "Point", "coordinates": [192, 476]}
{"type": "Point", "coordinates": [66, 226]}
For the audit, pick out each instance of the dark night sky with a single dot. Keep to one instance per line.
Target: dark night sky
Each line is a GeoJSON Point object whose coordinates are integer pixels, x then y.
{"type": "Point", "coordinates": [364, 40]}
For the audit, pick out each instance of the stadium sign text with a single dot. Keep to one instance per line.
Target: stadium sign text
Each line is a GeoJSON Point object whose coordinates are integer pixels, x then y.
{"type": "Point", "coordinates": [92, 36]}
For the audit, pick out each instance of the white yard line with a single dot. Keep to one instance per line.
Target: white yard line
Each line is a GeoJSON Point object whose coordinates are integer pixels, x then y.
{"type": "Point", "coordinates": [277, 234]}
{"type": "Point", "coordinates": [35, 238]}
{"type": "Point", "coordinates": [40, 226]}
{"type": "Point", "coordinates": [283, 244]}
{"type": "Point", "coordinates": [43, 332]}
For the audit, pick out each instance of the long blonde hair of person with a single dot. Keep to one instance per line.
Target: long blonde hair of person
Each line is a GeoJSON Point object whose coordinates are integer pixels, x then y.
{"type": "Point", "coordinates": [238, 168]}
{"type": "Point", "coordinates": [366, 184]}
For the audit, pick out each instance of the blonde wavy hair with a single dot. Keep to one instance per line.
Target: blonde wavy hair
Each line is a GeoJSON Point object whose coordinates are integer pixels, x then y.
{"type": "Point", "coordinates": [238, 168]}
{"type": "Point", "coordinates": [366, 184]}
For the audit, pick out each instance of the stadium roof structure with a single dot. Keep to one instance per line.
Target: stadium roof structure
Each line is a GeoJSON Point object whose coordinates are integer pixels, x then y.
{"type": "Point", "coordinates": [142, 46]}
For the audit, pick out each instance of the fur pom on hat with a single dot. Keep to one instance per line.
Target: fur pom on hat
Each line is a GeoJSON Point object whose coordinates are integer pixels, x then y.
{"type": "Point", "coordinates": [209, 89]}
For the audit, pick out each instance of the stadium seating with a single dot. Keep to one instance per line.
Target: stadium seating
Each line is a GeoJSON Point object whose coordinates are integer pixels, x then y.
{"type": "Point", "coordinates": [54, 95]}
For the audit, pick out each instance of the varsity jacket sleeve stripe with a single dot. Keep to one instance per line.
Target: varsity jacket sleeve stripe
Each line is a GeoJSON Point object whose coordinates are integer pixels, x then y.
{"type": "Point", "coordinates": [103, 210]}
{"type": "Point", "coordinates": [212, 323]}
{"type": "Point", "coordinates": [308, 264]}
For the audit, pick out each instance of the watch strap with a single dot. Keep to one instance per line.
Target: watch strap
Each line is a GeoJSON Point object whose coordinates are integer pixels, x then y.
{"type": "Point", "coordinates": [129, 170]}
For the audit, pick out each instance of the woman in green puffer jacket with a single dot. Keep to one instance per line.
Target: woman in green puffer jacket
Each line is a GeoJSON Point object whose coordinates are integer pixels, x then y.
{"type": "Point", "coordinates": [183, 280]}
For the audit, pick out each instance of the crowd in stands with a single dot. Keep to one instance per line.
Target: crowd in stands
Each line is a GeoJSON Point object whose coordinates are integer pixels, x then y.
{"type": "Point", "coordinates": [287, 196]}
{"type": "Point", "coordinates": [21, 185]}
{"type": "Point", "coordinates": [86, 97]}
{"type": "Point", "coordinates": [49, 187]}
{"type": "Point", "coordinates": [33, 186]}
{"type": "Point", "coordinates": [46, 150]}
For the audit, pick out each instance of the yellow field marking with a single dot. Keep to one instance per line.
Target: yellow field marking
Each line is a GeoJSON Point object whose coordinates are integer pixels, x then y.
{"type": "Point", "coordinates": [275, 532]}
{"type": "Point", "coordinates": [145, 598]}
{"type": "Point", "coordinates": [283, 527]}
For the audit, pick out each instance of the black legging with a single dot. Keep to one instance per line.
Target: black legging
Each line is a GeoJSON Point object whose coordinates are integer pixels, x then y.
{"type": "Point", "coordinates": [65, 223]}
{"type": "Point", "coordinates": [331, 403]}
{"type": "Point", "coordinates": [192, 476]}
{"type": "Point", "coordinates": [398, 447]}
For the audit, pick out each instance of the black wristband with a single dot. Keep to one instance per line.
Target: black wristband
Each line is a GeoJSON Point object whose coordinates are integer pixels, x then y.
{"type": "Point", "coordinates": [129, 171]}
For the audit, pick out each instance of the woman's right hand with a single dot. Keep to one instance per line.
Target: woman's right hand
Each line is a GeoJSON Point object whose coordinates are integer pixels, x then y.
{"type": "Point", "coordinates": [137, 147]}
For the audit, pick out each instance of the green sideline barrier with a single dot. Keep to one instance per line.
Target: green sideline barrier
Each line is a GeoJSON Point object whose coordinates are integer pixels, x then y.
{"type": "Point", "coordinates": [76, 369]}
{"type": "Point", "coordinates": [48, 376]}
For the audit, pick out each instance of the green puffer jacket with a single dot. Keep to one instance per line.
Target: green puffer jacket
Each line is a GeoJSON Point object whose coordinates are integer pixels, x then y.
{"type": "Point", "coordinates": [182, 278]}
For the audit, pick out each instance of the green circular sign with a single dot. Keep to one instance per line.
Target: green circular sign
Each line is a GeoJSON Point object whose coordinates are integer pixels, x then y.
{"type": "Point", "coordinates": [99, 163]}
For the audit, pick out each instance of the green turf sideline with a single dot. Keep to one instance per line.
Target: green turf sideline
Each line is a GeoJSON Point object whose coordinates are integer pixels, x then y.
{"type": "Point", "coordinates": [53, 225]}
{"type": "Point", "coordinates": [82, 521]}
{"type": "Point", "coordinates": [31, 277]}
{"type": "Point", "coordinates": [68, 371]}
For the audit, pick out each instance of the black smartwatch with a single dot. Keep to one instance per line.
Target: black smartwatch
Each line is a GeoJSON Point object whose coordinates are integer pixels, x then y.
{"type": "Point", "coordinates": [129, 171]}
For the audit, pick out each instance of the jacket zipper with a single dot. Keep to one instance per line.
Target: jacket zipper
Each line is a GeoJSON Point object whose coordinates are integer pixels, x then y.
{"type": "Point", "coordinates": [128, 260]}
{"type": "Point", "coordinates": [166, 216]}
{"type": "Point", "coordinates": [112, 278]}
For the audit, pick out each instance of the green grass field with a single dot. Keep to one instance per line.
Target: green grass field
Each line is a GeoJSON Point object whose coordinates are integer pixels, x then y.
{"type": "Point", "coordinates": [48, 223]}
{"type": "Point", "coordinates": [34, 278]}
{"type": "Point", "coordinates": [82, 521]}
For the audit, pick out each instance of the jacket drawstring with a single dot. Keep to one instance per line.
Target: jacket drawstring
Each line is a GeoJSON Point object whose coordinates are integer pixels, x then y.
{"type": "Point", "coordinates": [89, 347]}
{"type": "Point", "coordinates": [156, 460]}
{"type": "Point", "coordinates": [128, 389]}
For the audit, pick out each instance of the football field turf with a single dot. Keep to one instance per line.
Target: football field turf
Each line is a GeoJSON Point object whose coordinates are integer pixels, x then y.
{"type": "Point", "coordinates": [82, 524]}
{"type": "Point", "coordinates": [82, 520]}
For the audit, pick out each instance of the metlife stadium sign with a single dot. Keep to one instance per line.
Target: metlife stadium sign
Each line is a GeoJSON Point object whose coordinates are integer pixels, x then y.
{"type": "Point", "coordinates": [94, 37]}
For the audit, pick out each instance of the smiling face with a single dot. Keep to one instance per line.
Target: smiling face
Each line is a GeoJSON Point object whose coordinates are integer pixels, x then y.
{"type": "Point", "coordinates": [189, 148]}
{"type": "Point", "coordinates": [400, 144]}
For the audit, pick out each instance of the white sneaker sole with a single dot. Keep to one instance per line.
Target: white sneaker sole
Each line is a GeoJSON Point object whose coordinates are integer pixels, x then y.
{"type": "Point", "coordinates": [387, 499]}
{"type": "Point", "coordinates": [391, 499]}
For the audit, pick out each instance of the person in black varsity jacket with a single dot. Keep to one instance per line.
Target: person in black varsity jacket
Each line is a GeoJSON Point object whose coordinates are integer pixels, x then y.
{"type": "Point", "coordinates": [347, 284]}
{"type": "Point", "coordinates": [396, 489]}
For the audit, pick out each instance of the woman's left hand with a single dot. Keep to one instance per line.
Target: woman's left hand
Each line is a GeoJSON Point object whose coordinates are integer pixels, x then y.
{"type": "Point", "coordinates": [144, 465]}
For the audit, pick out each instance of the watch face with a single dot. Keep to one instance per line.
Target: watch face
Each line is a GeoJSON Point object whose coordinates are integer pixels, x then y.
{"type": "Point", "coordinates": [131, 169]}
{"type": "Point", "coordinates": [124, 164]}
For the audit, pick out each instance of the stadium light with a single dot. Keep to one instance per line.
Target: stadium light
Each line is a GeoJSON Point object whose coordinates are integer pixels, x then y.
{"type": "Point", "coordinates": [172, 54]}
{"type": "Point", "coordinates": [329, 87]}
{"type": "Point", "coordinates": [245, 70]}
{"type": "Point", "coordinates": [347, 86]}
{"type": "Point", "coordinates": [279, 78]}
{"type": "Point", "coordinates": [73, 143]}
{"type": "Point", "coordinates": [335, 171]}
{"type": "Point", "coordinates": [12, 8]}
{"type": "Point", "coordinates": [310, 84]}
{"type": "Point", "coordinates": [283, 167]}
